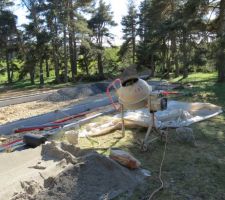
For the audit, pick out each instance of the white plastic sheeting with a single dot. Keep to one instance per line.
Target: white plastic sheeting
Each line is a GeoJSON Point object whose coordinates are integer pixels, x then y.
{"type": "Point", "coordinates": [178, 114]}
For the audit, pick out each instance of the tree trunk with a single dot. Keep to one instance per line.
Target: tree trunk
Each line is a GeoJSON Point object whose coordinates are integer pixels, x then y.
{"type": "Point", "coordinates": [221, 65]}
{"type": "Point", "coordinates": [41, 73]}
{"type": "Point", "coordinates": [152, 65]}
{"type": "Point", "coordinates": [56, 67]}
{"type": "Point", "coordinates": [100, 66]}
{"type": "Point", "coordinates": [65, 55]}
{"type": "Point", "coordinates": [177, 70]}
{"type": "Point", "coordinates": [221, 43]}
{"type": "Point", "coordinates": [32, 76]}
{"type": "Point", "coordinates": [75, 55]}
{"type": "Point", "coordinates": [8, 68]}
{"type": "Point", "coordinates": [47, 67]}
{"type": "Point", "coordinates": [185, 60]}
{"type": "Point", "coordinates": [54, 30]}
{"type": "Point", "coordinates": [72, 58]}
{"type": "Point", "coordinates": [56, 62]}
{"type": "Point", "coordinates": [168, 61]}
{"type": "Point", "coordinates": [174, 54]}
{"type": "Point", "coordinates": [72, 43]}
{"type": "Point", "coordinates": [164, 56]}
{"type": "Point", "coordinates": [134, 50]}
{"type": "Point", "coordinates": [87, 70]}
{"type": "Point", "coordinates": [86, 67]}
{"type": "Point", "coordinates": [12, 74]}
{"type": "Point", "coordinates": [133, 43]}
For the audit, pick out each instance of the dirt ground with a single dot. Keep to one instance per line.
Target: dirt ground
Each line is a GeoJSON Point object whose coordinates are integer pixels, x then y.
{"type": "Point", "coordinates": [190, 172]}
{"type": "Point", "coordinates": [58, 170]}
{"type": "Point", "coordinates": [30, 109]}
{"type": "Point", "coordinates": [15, 93]}
{"type": "Point", "coordinates": [56, 100]}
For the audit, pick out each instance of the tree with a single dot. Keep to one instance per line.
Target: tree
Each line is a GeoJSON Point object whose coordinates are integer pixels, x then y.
{"type": "Point", "coordinates": [77, 25]}
{"type": "Point", "coordinates": [51, 16]}
{"type": "Point", "coordinates": [30, 62]}
{"type": "Point", "coordinates": [169, 32]}
{"type": "Point", "coordinates": [38, 33]}
{"type": "Point", "coordinates": [99, 23]}
{"type": "Point", "coordinates": [86, 56]}
{"type": "Point", "coordinates": [129, 23]}
{"type": "Point", "coordinates": [8, 37]}
{"type": "Point", "coordinates": [173, 36]}
{"type": "Point", "coordinates": [66, 23]}
{"type": "Point", "coordinates": [153, 33]}
{"type": "Point", "coordinates": [220, 55]}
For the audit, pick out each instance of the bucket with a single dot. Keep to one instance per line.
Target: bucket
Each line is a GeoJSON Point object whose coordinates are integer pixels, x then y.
{"type": "Point", "coordinates": [72, 136]}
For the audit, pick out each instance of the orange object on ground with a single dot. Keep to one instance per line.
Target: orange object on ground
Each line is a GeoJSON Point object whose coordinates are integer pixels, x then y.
{"type": "Point", "coordinates": [125, 159]}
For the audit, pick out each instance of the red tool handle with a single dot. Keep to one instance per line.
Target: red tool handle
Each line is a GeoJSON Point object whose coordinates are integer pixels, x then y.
{"type": "Point", "coordinates": [40, 128]}
{"type": "Point", "coordinates": [166, 93]}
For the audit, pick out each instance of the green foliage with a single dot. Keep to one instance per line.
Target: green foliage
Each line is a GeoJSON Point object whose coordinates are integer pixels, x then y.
{"type": "Point", "coordinates": [101, 20]}
{"type": "Point", "coordinates": [110, 60]}
{"type": "Point", "coordinates": [70, 38]}
{"type": "Point", "coordinates": [173, 35]}
{"type": "Point", "coordinates": [8, 36]}
{"type": "Point", "coordinates": [86, 56]}
{"type": "Point", "coordinates": [129, 23]}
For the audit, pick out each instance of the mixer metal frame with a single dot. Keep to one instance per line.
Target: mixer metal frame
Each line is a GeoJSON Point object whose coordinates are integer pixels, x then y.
{"type": "Point", "coordinates": [144, 144]}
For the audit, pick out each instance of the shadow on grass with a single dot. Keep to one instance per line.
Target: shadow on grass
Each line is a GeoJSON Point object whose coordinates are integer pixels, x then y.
{"type": "Point", "coordinates": [211, 93]}
{"type": "Point", "coordinates": [188, 172]}
{"type": "Point", "coordinates": [26, 85]}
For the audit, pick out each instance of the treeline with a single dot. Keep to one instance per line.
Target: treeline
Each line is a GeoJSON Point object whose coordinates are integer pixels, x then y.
{"type": "Point", "coordinates": [72, 38]}
{"type": "Point", "coordinates": [176, 36]}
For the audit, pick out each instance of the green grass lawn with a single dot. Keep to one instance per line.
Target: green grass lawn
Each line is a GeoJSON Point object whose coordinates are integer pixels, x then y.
{"type": "Point", "coordinates": [197, 77]}
{"type": "Point", "coordinates": [205, 88]}
{"type": "Point", "coordinates": [25, 85]}
{"type": "Point", "coordinates": [189, 172]}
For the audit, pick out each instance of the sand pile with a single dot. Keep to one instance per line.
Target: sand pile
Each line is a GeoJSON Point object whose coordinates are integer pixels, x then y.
{"type": "Point", "coordinates": [62, 171]}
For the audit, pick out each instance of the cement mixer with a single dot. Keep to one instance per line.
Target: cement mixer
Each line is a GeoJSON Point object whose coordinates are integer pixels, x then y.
{"type": "Point", "coordinates": [134, 93]}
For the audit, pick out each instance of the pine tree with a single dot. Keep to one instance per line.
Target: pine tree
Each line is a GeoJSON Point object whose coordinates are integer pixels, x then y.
{"type": "Point", "coordinates": [38, 35]}
{"type": "Point", "coordinates": [220, 62]}
{"type": "Point", "coordinates": [8, 36]}
{"type": "Point", "coordinates": [99, 23]}
{"type": "Point", "coordinates": [129, 23]}
{"type": "Point", "coordinates": [77, 26]}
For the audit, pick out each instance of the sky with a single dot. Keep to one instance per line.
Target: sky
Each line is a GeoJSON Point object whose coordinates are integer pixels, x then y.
{"type": "Point", "coordinates": [119, 8]}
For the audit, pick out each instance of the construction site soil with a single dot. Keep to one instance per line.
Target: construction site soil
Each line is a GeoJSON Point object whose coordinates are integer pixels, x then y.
{"type": "Point", "coordinates": [55, 101]}
{"type": "Point", "coordinates": [63, 171]}
{"type": "Point", "coordinates": [61, 98]}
